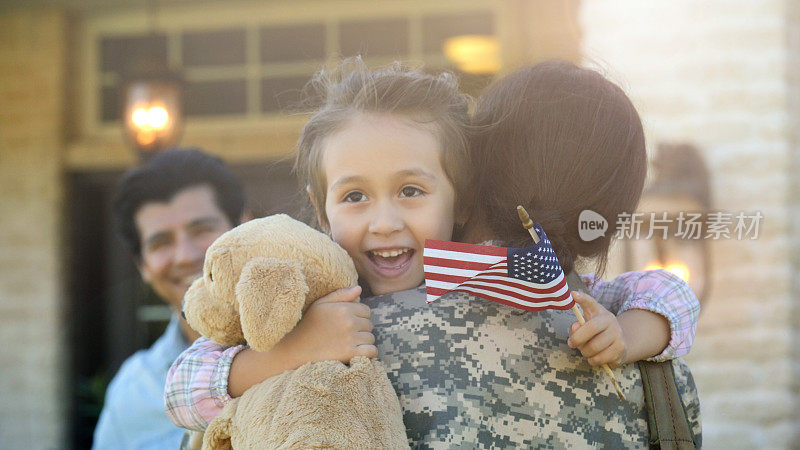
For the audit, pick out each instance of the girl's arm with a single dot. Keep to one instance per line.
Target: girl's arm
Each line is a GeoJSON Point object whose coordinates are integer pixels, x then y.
{"type": "Point", "coordinates": [644, 302]}
{"type": "Point", "coordinates": [634, 335]}
{"type": "Point", "coordinates": [207, 375]}
{"type": "Point", "coordinates": [333, 328]}
{"type": "Point", "coordinates": [197, 384]}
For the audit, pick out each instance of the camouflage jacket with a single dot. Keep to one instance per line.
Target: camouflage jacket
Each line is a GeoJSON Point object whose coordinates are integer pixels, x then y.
{"type": "Point", "coordinates": [475, 374]}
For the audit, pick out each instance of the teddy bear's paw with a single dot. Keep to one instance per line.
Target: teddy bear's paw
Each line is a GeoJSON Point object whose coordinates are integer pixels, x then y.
{"type": "Point", "coordinates": [361, 363]}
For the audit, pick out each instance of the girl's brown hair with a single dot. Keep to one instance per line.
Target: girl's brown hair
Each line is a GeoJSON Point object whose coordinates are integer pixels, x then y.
{"type": "Point", "coordinates": [353, 88]}
{"type": "Point", "coordinates": [557, 139]}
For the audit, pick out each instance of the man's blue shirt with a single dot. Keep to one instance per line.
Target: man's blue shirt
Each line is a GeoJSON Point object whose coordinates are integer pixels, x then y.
{"type": "Point", "coordinates": [133, 416]}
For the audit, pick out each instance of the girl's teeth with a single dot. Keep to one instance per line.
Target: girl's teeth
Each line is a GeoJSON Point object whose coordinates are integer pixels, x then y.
{"type": "Point", "coordinates": [390, 253]}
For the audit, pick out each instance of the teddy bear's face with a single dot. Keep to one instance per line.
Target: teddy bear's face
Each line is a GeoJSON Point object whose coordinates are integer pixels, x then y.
{"type": "Point", "coordinates": [263, 274]}
{"type": "Point", "coordinates": [212, 297]}
{"type": "Point", "coordinates": [221, 286]}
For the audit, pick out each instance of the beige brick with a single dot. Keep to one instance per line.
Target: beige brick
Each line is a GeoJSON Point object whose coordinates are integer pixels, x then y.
{"type": "Point", "coordinates": [782, 435]}
{"type": "Point", "coordinates": [739, 39]}
{"type": "Point", "coordinates": [730, 435]}
{"type": "Point", "coordinates": [749, 311]}
{"type": "Point", "coordinates": [747, 346]}
{"type": "Point", "coordinates": [727, 375]}
{"type": "Point", "coordinates": [762, 406]}
{"type": "Point", "coordinates": [32, 64]}
{"type": "Point", "coordinates": [748, 101]}
{"type": "Point", "coordinates": [730, 376]}
{"type": "Point", "coordinates": [711, 319]}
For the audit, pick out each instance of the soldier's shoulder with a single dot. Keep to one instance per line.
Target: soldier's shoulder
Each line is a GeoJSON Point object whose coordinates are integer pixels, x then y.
{"type": "Point", "coordinates": [401, 299]}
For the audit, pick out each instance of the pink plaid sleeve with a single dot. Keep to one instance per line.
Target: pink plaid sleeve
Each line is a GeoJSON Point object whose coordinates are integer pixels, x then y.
{"type": "Point", "coordinates": [197, 384]}
{"type": "Point", "coordinates": [659, 291]}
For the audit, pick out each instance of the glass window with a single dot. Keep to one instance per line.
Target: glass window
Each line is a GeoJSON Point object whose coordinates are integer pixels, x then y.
{"type": "Point", "coordinates": [119, 54]}
{"type": "Point", "coordinates": [382, 37]}
{"type": "Point", "coordinates": [207, 98]}
{"type": "Point", "coordinates": [292, 43]}
{"type": "Point", "coordinates": [111, 104]}
{"type": "Point", "coordinates": [437, 29]}
{"type": "Point", "coordinates": [282, 94]}
{"type": "Point", "coordinates": [214, 48]}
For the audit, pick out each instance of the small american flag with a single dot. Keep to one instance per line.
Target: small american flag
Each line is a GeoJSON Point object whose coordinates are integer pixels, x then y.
{"type": "Point", "coordinates": [526, 278]}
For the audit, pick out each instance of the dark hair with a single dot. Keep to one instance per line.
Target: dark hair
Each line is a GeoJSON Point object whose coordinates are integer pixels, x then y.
{"type": "Point", "coordinates": [354, 88]}
{"type": "Point", "coordinates": [166, 174]}
{"type": "Point", "coordinates": [557, 139]}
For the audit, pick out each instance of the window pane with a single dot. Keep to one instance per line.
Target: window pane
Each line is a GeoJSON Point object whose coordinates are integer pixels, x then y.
{"type": "Point", "coordinates": [437, 29]}
{"type": "Point", "coordinates": [292, 43]}
{"type": "Point", "coordinates": [208, 98]}
{"type": "Point", "coordinates": [111, 104]}
{"type": "Point", "coordinates": [120, 54]}
{"type": "Point", "coordinates": [214, 48]}
{"type": "Point", "coordinates": [282, 94]}
{"type": "Point", "coordinates": [386, 37]}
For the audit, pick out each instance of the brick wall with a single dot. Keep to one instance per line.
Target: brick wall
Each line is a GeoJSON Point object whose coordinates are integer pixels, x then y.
{"type": "Point", "coordinates": [32, 64]}
{"type": "Point", "coordinates": [717, 74]}
{"type": "Point", "coordinates": [793, 100]}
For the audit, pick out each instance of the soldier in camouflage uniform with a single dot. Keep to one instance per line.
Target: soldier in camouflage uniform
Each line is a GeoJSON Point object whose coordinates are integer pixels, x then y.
{"type": "Point", "coordinates": [476, 374]}
{"type": "Point", "coordinates": [557, 139]}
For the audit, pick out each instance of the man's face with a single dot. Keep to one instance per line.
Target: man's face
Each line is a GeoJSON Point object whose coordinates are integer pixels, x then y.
{"type": "Point", "coordinates": [174, 236]}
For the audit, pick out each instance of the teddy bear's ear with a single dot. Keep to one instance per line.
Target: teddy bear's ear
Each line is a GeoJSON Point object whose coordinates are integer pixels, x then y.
{"type": "Point", "coordinates": [272, 294]}
{"type": "Point", "coordinates": [214, 319]}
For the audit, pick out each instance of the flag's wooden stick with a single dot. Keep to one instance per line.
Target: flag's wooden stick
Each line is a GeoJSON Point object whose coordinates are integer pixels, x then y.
{"type": "Point", "coordinates": [528, 224]}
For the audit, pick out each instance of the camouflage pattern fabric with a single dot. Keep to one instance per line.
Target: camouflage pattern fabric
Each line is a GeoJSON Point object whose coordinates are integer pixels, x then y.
{"type": "Point", "coordinates": [475, 374]}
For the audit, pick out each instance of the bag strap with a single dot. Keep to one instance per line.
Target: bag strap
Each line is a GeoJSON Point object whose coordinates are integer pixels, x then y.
{"type": "Point", "coordinates": [667, 421]}
{"type": "Point", "coordinates": [666, 416]}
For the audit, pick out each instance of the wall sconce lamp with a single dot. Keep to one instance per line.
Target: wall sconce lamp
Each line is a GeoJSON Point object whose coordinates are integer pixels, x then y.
{"type": "Point", "coordinates": [473, 53]}
{"type": "Point", "coordinates": [152, 97]}
{"type": "Point", "coordinates": [679, 192]}
{"type": "Point", "coordinates": [153, 111]}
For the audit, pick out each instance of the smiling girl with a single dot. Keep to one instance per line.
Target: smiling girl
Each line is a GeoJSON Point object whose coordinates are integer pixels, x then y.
{"type": "Point", "coordinates": [387, 193]}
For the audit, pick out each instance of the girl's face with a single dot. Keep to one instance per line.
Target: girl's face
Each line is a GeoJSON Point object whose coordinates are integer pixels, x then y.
{"type": "Point", "coordinates": [386, 193]}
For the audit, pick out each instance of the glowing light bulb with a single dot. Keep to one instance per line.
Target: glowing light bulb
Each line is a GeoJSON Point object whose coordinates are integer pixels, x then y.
{"type": "Point", "coordinates": [653, 266]}
{"type": "Point", "coordinates": [680, 269]}
{"type": "Point", "coordinates": [478, 54]}
{"type": "Point", "coordinates": [157, 117]}
{"type": "Point", "coordinates": [140, 117]}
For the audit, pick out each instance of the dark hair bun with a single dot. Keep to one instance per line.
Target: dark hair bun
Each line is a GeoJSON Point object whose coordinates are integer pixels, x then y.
{"type": "Point", "coordinates": [557, 139]}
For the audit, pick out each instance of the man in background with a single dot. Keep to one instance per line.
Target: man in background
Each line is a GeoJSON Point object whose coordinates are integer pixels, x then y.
{"type": "Point", "coordinates": [167, 211]}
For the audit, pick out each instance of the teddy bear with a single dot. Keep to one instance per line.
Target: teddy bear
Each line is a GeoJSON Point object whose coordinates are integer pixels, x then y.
{"type": "Point", "coordinates": [257, 281]}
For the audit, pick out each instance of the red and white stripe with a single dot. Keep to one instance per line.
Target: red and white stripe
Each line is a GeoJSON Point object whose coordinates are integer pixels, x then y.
{"type": "Point", "coordinates": [482, 270]}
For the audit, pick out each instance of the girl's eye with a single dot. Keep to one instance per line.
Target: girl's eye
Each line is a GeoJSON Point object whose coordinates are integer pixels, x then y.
{"type": "Point", "coordinates": [355, 197]}
{"type": "Point", "coordinates": [411, 191]}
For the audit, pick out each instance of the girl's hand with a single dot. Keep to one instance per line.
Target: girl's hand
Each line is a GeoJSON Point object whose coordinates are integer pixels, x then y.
{"type": "Point", "coordinates": [334, 327]}
{"type": "Point", "coordinates": [600, 339]}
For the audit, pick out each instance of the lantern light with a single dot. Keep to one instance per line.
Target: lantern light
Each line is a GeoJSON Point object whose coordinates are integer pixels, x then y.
{"type": "Point", "coordinates": [153, 113]}
{"type": "Point", "coordinates": [152, 96]}
{"type": "Point", "coordinates": [680, 269]}
{"type": "Point", "coordinates": [681, 186]}
{"type": "Point", "coordinates": [473, 53]}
